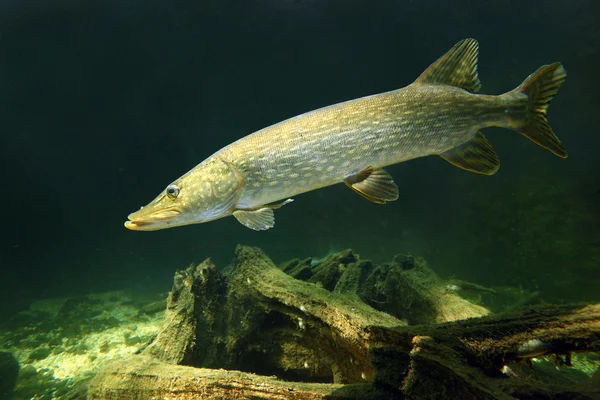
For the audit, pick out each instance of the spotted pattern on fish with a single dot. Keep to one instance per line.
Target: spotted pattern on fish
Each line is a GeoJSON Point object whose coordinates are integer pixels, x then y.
{"type": "Point", "coordinates": [440, 113]}
{"type": "Point", "coordinates": [341, 140]}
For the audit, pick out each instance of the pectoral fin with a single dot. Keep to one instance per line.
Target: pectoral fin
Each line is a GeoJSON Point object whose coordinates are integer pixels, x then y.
{"type": "Point", "coordinates": [476, 155]}
{"type": "Point", "coordinates": [261, 219]}
{"type": "Point", "coordinates": [374, 184]}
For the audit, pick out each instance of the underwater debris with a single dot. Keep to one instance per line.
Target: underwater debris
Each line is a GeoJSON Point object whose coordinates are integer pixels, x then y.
{"type": "Point", "coordinates": [458, 284]}
{"type": "Point", "coordinates": [405, 288]}
{"type": "Point", "coordinates": [347, 349]}
{"type": "Point", "coordinates": [221, 321]}
{"type": "Point", "coordinates": [532, 348]}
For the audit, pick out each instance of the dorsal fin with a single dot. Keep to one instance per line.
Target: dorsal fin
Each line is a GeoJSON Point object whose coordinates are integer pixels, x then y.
{"type": "Point", "coordinates": [458, 67]}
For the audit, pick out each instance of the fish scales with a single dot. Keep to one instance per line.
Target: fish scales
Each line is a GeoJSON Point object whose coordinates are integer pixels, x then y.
{"type": "Point", "coordinates": [354, 135]}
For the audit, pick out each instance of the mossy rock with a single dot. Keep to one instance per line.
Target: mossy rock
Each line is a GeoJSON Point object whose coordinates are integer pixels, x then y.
{"type": "Point", "coordinates": [40, 353]}
{"type": "Point", "coordinates": [9, 371]}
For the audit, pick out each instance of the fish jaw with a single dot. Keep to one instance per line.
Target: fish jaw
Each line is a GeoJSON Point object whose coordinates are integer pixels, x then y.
{"type": "Point", "coordinates": [152, 220]}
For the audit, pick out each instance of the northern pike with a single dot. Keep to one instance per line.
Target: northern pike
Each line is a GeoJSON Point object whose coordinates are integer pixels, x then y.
{"type": "Point", "coordinates": [438, 114]}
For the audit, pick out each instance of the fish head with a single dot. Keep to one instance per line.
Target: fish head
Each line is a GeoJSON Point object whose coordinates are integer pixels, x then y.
{"type": "Point", "coordinates": [207, 192]}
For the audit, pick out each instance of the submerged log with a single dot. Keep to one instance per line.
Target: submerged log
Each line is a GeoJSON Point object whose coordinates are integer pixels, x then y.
{"type": "Point", "coordinates": [405, 288]}
{"type": "Point", "coordinates": [474, 356]}
{"type": "Point", "coordinates": [194, 324]}
{"type": "Point", "coordinates": [256, 318]}
{"type": "Point", "coordinates": [253, 317]}
{"type": "Point", "coordinates": [142, 377]}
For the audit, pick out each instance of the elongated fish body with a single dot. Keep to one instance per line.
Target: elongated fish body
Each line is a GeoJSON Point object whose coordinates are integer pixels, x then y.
{"type": "Point", "coordinates": [325, 146]}
{"type": "Point", "coordinates": [439, 114]}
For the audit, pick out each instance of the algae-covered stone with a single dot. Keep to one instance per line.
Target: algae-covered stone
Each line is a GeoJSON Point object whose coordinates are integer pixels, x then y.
{"type": "Point", "coordinates": [9, 371]}
{"type": "Point", "coordinates": [104, 347]}
{"type": "Point", "coordinates": [132, 340]}
{"type": "Point", "coordinates": [40, 353]}
{"type": "Point", "coordinates": [27, 372]}
{"type": "Point", "coordinates": [38, 385]}
{"type": "Point", "coordinates": [80, 349]}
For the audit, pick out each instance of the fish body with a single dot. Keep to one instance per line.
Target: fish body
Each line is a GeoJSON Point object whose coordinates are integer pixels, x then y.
{"type": "Point", "coordinates": [439, 114]}
{"type": "Point", "coordinates": [325, 146]}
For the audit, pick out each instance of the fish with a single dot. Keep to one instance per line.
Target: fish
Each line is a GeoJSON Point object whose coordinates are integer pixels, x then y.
{"type": "Point", "coordinates": [441, 113]}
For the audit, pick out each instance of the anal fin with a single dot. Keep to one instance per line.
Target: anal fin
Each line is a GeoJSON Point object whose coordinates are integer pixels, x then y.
{"type": "Point", "coordinates": [374, 184]}
{"type": "Point", "coordinates": [476, 155]}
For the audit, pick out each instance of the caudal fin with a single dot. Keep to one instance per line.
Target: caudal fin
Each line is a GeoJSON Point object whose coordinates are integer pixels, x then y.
{"type": "Point", "coordinates": [540, 87]}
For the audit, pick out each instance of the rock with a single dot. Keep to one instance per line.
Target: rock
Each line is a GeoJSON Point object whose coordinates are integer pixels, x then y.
{"type": "Point", "coordinates": [133, 340]}
{"type": "Point", "coordinates": [596, 378]}
{"type": "Point", "coordinates": [40, 353]}
{"type": "Point", "coordinates": [104, 347]}
{"type": "Point", "coordinates": [27, 372]}
{"type": "Point", "coordinates": [9, 371]}
{"type": "Point", "coordinates": [154, 307]}
{"type": "Point", "coordinates": [80, 348]}
{"type": "Point", "coordinates": [38, 384]}
{"type": "Point", "coordinates": [62, 388]}
{"type": "Point", "coordinates": [111, 322]}
{"type": "Point", "coordinates": [55, 341]}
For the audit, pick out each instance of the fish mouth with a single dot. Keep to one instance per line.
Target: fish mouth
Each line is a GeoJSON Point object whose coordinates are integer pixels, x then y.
{"type": "Point", "coordinates": [143, 220]}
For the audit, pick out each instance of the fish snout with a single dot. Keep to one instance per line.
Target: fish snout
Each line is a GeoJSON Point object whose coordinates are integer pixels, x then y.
{"type": "Point", "coordinates": [150, 220]}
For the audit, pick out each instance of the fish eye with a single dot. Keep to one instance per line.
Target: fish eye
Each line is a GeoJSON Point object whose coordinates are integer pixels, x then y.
{"type": "Point", "coordinates": [172, 191]}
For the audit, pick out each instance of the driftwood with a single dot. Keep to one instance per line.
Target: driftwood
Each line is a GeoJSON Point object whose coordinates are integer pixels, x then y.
{"type": "Point", "coordinates": [321, 335]}
{"type": "Point", "coordinates": [142, 377]}
{"type": "Point", "coordinates": [471, 355]}
{"type": "Point", "coordinates": [406, 287]}
{"type": "Point", "coordinates": [262, 320]}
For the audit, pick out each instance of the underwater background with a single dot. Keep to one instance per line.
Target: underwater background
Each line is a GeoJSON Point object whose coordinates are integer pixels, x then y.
{"type": "Point", "coordinates": [104, 103]}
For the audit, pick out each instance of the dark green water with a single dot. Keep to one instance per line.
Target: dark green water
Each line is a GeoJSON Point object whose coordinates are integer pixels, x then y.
{"type": "Point", "coordinates": [103, 103]}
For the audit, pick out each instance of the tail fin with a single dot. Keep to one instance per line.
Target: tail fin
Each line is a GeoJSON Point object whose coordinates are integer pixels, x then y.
{"type": "Point", "coordinates": [540, 87]}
